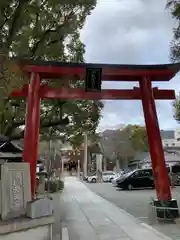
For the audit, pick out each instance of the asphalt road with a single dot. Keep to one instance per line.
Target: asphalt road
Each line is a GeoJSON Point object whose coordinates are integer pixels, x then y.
{"type": "Point", "coordinates": [136, 202]}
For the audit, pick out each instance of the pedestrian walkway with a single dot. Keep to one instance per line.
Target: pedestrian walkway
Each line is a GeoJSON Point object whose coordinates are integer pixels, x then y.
{"type": "Point", "coordinates": [90, 217]}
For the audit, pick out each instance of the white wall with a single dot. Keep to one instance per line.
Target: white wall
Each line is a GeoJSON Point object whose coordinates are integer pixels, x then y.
{"type": "Point", "coordinates": [177, 134]}
{"type": "Point", "coordinates": [171, 143]}
{"type": "Point", "coordinates": [175, 142]}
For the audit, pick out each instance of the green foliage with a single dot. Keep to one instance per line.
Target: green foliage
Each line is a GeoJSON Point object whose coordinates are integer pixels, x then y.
{"type": "Point", "coordinates": [139, 138]}
{"type": "Point", "coordinates": [174, 6]}
{"type": "Point", "coordinates": [176, 109]}
{"type": "Point", "coordinates": [41, 29]}
{"type": "Point", "coordinates": [54, 186]}
{"type": "Point", "coordinates": [48, 30]}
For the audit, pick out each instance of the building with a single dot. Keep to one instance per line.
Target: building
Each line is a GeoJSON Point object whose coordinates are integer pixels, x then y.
{"type": "Point", "coordinates": [170, 159]}
{"type": "Point", "coordinates": [170, 138]}
{"type": "Point", "coordinates": [70, 158]}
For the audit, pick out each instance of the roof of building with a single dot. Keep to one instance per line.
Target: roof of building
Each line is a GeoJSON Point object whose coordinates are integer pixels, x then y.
{"type": "Point", "coordinates": [7, 147]}
{"type": "Point", "coordinates": [10, 150]}
{"type": "Point", "coordinates": [169, 157]}
{"type": "Point", "coordinates": [141, 156]}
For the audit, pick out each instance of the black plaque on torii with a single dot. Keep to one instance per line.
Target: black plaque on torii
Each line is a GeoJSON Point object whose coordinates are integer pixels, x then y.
{"type": "Point", "coordinates": [93, 79]}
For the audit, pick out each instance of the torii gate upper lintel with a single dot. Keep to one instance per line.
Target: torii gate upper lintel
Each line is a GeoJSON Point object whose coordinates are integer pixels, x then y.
{"type": "Point", "coordinates": [144, 74]}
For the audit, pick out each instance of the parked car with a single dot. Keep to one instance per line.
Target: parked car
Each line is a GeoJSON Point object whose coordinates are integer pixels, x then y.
{"type": "Point", "coordinates": [115, 179]}
{"type": "Point", "coordinates": [86, 177]}
{"type": "Point", "coordinates": [106, 177]}
{"type": "Point", "coordinates": [139, 178]}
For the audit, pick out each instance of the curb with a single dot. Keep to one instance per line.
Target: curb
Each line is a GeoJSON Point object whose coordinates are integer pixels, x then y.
{"type": "Point", "coordinates": [156, 231]}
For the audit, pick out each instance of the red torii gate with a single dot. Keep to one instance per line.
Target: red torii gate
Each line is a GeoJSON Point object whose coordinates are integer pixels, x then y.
{"type": "Point", "coordinates": [144, 74]}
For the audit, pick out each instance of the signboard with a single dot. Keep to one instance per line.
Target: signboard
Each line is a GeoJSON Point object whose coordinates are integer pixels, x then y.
{"type": "Point", "coordinates": [93, 79]}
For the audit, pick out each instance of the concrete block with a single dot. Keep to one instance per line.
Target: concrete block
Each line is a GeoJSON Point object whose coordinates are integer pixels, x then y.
{"type": "Point", "coordinates": [26, 228]}
{"type": "Point", "coordinates": [39, 208]}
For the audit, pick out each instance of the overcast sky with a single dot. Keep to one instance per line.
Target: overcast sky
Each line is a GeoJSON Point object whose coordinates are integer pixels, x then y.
{"type": "Point", "coordinates": [130, 32]}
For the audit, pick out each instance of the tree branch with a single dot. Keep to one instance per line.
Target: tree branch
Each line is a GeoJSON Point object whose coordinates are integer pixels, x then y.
{"type": "Point", "coordinates": [15, 18]}
{"type": "Point", "coordinates": [36, 45]}
{"type": "Point", "coordinates": [5, 21]}
{"type": "Point", "coordinates": [64, 121]}
{"type": "Point", "coordinates": [49, 31]}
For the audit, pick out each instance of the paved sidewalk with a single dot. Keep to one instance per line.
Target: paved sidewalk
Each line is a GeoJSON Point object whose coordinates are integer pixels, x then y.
{"type": "Point", "coordinates": [90, 217]}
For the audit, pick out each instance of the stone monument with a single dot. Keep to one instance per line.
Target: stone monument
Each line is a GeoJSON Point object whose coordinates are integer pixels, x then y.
{"type": "Point", "coordinates": [15, 190]}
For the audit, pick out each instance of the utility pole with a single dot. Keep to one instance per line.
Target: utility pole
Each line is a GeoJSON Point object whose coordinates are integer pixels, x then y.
{"type": "Point", "coordinates": [62, 165]}
{"type": "Point", "coordinates": [85, 155]}
{"type": "Point", "coordinates": [104, 157]}
{"type": "Point", "coordinates": [78, 170]}
{"type": "Point", "coordinates": [99, 157]}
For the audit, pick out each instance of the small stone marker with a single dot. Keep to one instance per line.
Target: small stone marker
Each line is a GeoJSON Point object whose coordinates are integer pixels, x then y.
{"type": "Point", "coordinates": [39, 208]}
{"type": "Point", "coordinates": [15, 189]}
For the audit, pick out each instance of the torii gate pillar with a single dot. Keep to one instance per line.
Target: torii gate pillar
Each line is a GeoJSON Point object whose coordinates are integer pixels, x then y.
{"type": "Point", "coordinates": [31, 136]}
{"type": "Point", "coordinates": [154, 139]}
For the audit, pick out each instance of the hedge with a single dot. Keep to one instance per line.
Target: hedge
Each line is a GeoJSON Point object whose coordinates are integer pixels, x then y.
{"type": "Point", "coordinates": [54, 186]}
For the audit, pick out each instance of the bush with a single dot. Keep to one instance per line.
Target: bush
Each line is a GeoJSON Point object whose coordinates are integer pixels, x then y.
{"type": "Point", "coordinates": [54, 186]}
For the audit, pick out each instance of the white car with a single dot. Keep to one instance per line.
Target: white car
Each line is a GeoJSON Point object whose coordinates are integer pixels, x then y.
{"type": "Point", "coordinates": [106, 177]}
{"type": "Point", "coordinates": [92, 179]}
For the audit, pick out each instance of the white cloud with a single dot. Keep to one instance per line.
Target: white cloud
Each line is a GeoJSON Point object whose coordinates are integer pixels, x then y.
{"type": "Point", "coordinates": [130, 32]}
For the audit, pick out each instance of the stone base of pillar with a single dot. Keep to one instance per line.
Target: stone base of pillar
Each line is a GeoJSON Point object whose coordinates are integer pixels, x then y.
{"type": "Point", "coordinates": [166, 210]}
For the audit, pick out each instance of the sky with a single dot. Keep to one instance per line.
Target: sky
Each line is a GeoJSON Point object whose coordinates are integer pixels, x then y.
{"type": "Point", "coordinates": [131, 32]}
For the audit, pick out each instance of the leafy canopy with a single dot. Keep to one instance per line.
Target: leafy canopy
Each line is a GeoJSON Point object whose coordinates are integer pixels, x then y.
{"type": "Point", "coordinates": [48, 30]}
{"type": "Point", "coordinates": [174, 6]}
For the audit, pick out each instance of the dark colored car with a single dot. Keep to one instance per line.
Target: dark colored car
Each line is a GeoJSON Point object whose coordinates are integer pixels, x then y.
{"type": "Point", "coordinates": [139, 178]}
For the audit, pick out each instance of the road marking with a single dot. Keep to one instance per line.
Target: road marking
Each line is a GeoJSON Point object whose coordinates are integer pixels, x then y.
{"type": "Point", "coordinates": [65, 235]}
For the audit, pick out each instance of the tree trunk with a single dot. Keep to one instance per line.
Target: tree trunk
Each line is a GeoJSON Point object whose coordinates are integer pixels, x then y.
{"type": "Point", "coordinates": [117, 165]}
{"type": "Point", "coordinates": [85, 155]}
{"type": "Point", "coordinates": [104, 164]}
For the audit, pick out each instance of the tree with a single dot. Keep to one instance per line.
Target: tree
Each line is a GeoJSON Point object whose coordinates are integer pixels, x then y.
{"type": "Point", "coordinates": [174, 6]}
{"type": "Point", "coordinates": [176, 109]}
{"type": "Point", "coordinates": [139, 138]}
{"type": "Point", "coordinates": [47, 30]}
{"type": "Point", "coordinates": [50, 152]}
{"type": "Point", "coordinates": [116, 145]}
{"type": "Point", "coordinates": [122, 144]}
